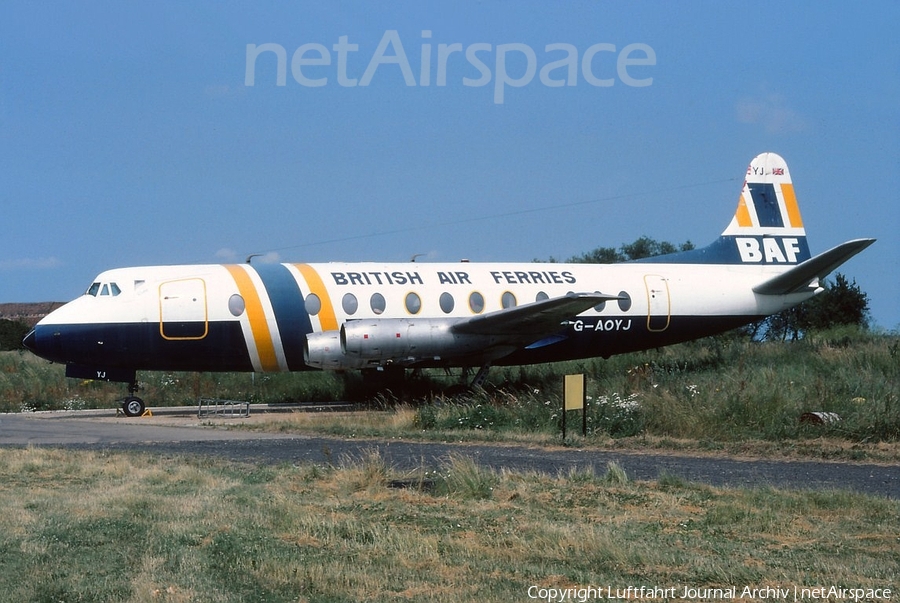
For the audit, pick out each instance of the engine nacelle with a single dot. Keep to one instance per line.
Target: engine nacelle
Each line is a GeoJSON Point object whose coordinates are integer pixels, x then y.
{"type": "Point", "coordinates": [404, 341]}
{"type": "Point", "coordinates": [323, 351]}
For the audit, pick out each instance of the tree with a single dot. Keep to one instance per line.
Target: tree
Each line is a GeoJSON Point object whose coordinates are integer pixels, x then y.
{"type": "Point", "coordinates": [644, 247]}
{"type": "Point", "coordinates": [841, 303]}
{"type": "Point", "coordinates": [11, 334]}
{"type": "Point", "coordinates": [600, 255]}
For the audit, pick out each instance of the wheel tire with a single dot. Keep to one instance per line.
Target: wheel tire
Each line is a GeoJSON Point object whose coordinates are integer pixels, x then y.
{"type": "Point", "coordinates": [133, 406]}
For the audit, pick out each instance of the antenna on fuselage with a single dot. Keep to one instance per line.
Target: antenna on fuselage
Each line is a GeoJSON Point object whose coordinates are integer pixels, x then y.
{"type": "Point", "coordinates": [253, 255]}
{"type": "Point", "coordinates": [416, 255]}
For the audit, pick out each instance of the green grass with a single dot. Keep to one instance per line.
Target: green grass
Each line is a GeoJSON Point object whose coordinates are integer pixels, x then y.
{"type": "Point", "coordinates": [717, 395]}
{"type": "Point", "coordinates": [716, 391]}
{"type": "Point", "coordinates": [28, 383]}
{"type": "Point", "coordinates": [94, 526]}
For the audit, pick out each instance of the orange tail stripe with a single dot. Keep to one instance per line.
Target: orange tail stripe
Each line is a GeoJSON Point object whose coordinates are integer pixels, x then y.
{"type": "Point", "coordinates": [326, 314]}
{"type": "Point", "coordinates": [790, 201]}
{"type": "Point", "coordinates": [259, 326]}
{"type": "Point", "coordinates": [743, 213]}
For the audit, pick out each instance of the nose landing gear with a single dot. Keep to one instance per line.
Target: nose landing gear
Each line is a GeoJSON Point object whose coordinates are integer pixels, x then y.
{"type": "Point", "coordinates": [133, 406]}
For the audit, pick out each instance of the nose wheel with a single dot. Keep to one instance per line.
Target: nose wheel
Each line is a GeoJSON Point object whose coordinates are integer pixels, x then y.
{"type": "Point", "coordinates": [133, 406]}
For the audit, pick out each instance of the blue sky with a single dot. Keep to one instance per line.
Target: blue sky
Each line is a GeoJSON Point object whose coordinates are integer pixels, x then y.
{"type": "Point", "coordinates": [129, 134]}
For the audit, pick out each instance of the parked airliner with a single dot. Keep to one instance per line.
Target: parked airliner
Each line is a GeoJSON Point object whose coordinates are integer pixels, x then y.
{"type": "Point", "coordinates": [339, 316]}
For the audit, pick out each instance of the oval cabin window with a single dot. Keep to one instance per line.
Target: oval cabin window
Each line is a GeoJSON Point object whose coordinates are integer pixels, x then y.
{"type": "Point", "coordinates": [350, 304]}
{"type": "Point", "coordinates": [413, 303]}
{"type": "Point", "coordinates": [313, 304]}
{"type": "Point", "coordinates": [447, 302]}
{"type": "Point", "coordinates": [508, 300]}
{"type": "Point", "coordinates": [377, 303]}
{"type": "Point", "coordinates": [236, 305]}
{"type": "Point", "coordinates": [476, 302]}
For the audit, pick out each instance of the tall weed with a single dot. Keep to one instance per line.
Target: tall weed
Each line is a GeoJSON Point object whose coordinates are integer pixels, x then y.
{"type": "Point", "coordinates": [462, 477]}
{"type": "Point", "coordinates": [718, 388]}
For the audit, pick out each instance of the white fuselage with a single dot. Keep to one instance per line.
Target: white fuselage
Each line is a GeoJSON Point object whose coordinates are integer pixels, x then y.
{"type": "Point", "coordinates": [231, 317]}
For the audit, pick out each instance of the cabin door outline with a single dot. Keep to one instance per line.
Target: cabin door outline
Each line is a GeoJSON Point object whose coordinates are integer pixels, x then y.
{"type": "Point", "coordinates": [659, 303]}
{"type": "Point", "coordinates": [183, 313]}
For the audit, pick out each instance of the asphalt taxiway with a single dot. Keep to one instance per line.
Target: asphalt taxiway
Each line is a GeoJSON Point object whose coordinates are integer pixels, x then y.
{"type": "Point", "coordinates": [184, 436]}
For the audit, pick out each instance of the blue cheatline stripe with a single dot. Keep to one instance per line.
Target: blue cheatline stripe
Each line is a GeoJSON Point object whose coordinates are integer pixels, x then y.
{"type": "Point", "coordinates": [765, 201]}
{"type": "Point", "coordinates": [138, 346]}
{"type": "Point", "coordinates": [290, 311]}
{"type": "Point", "coordinates": [724, 250]}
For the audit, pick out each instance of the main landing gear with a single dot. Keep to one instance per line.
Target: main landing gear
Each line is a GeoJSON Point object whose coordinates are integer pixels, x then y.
{"type": "Point", "coordinates": [133, 406]}
{"type": "Point", "coordinates": [480, 377]}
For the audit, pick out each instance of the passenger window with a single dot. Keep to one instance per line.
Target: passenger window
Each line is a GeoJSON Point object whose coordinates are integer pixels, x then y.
{"type": "Point", "coordinates": [377, 303]}
{"type": "Point", "coordinates": [413, 303]}
{"type": "Point", "coordinates": [541, 296]}
{"type": "Point", "coordinates": [447, 302]}
{"type": "Point", "coordinates": [601, 306]}
{"type": "Point", "coordinates": [350, 304]}
{"type": "Point", "coordinates": [476, 302]}
{"type": "Point", "coordinates": [508, 300]}
{"type": "Point", "coordinates": [625, 302]}
{"type": "Point", "coordinates": [236, 305]}
{"type": "Point", "coordinates": [313, 304]}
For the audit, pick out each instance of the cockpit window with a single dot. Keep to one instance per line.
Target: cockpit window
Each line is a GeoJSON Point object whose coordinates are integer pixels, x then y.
{"type": "Point", "coordinates": [103, 289]}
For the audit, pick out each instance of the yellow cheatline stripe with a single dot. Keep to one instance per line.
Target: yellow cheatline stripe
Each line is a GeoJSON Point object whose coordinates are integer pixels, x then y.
{"type": "Point", "coordinates": [743, 213]}
{"type": "Point", "coordinates": [326, 315]}
{"type": "Point", "coordinates": [790, 201]}
{"type": "Point", "coordinates": [259, 326]}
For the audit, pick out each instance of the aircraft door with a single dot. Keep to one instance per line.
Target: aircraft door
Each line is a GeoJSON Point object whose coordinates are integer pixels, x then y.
{"type": "Point", "coordinates": [182, 309]}
{"type": "Point", "coordinates": [659, 305]}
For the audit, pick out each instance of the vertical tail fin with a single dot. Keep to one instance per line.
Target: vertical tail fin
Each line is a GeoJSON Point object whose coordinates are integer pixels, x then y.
{"type": "Point", "coordinates": [766, 227]}
{"type": "Point", "coordinates": [767, 205]}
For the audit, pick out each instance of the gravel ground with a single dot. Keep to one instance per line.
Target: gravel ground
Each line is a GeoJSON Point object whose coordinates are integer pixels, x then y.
{"type": "Point", "coordinates": [168, 436]}
{"type": "Point", "coordinates": [880, 480]}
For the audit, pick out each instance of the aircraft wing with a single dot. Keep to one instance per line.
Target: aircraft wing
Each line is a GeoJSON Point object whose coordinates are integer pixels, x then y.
{"type": "Point", "coordinates": [531, 321]}
{"type": "Point", "coordinates": [802, 275]}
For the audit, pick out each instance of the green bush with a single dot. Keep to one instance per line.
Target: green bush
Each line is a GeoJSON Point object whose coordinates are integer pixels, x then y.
{"type": "Point", "coordinates": [12, 332]}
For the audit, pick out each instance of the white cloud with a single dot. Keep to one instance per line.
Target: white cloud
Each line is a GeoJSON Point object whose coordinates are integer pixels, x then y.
{"type": "Point", "coordinates": [268, 258]}
{"type": "Point", "coordinates": [770, 110]}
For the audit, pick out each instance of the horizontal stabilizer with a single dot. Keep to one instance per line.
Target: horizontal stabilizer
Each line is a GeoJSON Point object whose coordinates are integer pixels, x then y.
{"type": "Point", "coordinates": [532, 320]}
{"type": "Point", "coordinates": [802, 276]}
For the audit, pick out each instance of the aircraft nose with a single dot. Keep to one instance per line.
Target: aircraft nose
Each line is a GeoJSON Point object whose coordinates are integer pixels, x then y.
{"type": "Point", "coordinates": [30, 340]}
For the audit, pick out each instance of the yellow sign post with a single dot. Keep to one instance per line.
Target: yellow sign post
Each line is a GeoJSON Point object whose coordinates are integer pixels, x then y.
{"type": "Point", "coordinates": [573, 399]}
